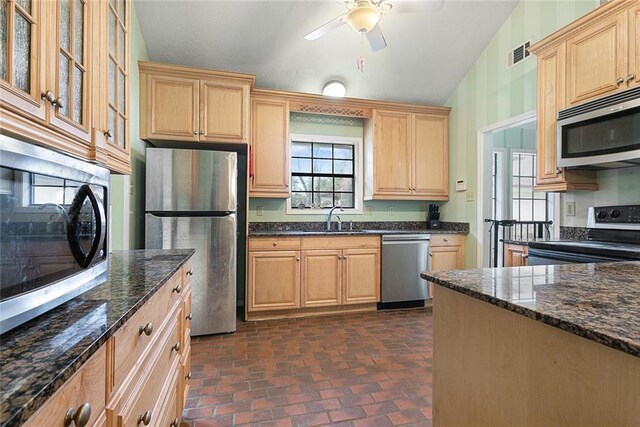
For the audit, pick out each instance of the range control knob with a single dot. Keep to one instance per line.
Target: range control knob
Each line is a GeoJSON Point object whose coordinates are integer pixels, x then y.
{"type": "Point", "coordinates": [615, 213]}
{"type": "Point", "coordinates": [602, 214]}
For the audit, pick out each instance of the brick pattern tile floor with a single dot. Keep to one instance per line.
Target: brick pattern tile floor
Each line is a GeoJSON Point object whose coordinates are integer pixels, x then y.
{"type": "Point", "coordinates": [370, 369]}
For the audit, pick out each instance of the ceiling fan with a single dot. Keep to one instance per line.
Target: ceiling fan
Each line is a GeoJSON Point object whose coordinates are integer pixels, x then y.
{"type": "Point", "coordinates": [363, 17]}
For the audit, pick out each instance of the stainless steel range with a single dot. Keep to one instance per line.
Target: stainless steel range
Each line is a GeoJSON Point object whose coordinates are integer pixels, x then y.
{"type": "Point", "coordinates": [614, 235]}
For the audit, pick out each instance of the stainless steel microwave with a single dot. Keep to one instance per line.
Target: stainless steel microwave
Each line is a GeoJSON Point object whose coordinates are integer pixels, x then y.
{"type": "Point", "coordinates": [53, 228]}
{"type": "Point", "coordinates": [604, 133]}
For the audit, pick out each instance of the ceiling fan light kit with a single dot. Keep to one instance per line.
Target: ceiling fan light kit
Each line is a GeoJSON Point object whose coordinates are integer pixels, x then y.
{"type": "Point", "coordinates": [334, 89]}
{"type": "Point", "coordinates": [363, 18]}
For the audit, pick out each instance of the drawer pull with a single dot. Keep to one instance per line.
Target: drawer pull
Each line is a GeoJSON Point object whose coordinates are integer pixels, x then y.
{"type": "Point", "coordinates": [176, 346]}
{"type": "Point", "coordinates": [177, 289]}
{"type": "Point", "coordinates": [430, 254]}
{"type": "Point", "coordinates": [78, 416]}
{"type": "Point", "coordinates": [189, 317]}
{"type": "Point", "coordinates": [446, 240]}
{"type": "Point", "coordinates": [188, 376]}
{"type": "Point", "coordinates": [190, 272]}
{"type": "Point", "coordinates": [275, 243]}
{"type": "Point", "coordinates": [174, 423]}
{"type": "Point", "coordinates": [145, 418]}
{"type": "Point", "coordinates": [146, 329]}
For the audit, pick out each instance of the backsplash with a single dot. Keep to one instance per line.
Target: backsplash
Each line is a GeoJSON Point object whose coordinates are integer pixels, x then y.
{"type": "Point", "coordinates": [357, 225]}
{"type": "Point", "coordinates": [573, 233]}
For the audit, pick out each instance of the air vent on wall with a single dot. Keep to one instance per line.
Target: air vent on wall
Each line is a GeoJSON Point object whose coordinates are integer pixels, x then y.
{"type": "Point", "coordinates": [519, 54]}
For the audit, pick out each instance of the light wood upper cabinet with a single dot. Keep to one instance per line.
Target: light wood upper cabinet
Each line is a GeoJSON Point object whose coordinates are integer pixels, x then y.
{"type": "Point", "coordinates": [634, 46]}
{"type": "Point", "coordinates": [273, 280]}
{"type": "Point", "coordinates": [321, 277]}
{"type": "Point", "coordinates": [431, 155]}
{"type": "Point", "coordinates": [191, 104]}
{"type": "Point", "coordinates": [173, 112]}
{"type": "Point", "coordinates": [406, 156]}
{"type": "Point", "coordinates": [393, 167]}
{"type": "Point", "coordinates": [597, 59]}
{"type": "Point", "coordinates": [224, 111]}
{"type": "Point", "coordinates": [360, 276]}
{"type": "Point", "coordinates": [269, 147]}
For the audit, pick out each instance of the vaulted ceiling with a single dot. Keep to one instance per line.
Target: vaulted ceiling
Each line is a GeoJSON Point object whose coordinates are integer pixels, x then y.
{"type": "Point", "coordinates": [427, 56]}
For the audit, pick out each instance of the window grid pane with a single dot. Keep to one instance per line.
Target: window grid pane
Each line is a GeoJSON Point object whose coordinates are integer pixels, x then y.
{"type": "Point", "coordinates": [527, 205]}
{"type": "Point", "coordinates": [322, 175]}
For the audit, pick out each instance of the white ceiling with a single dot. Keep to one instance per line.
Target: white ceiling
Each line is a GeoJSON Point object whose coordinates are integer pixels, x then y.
{"type": "Point", "coordinates": [427, 56]}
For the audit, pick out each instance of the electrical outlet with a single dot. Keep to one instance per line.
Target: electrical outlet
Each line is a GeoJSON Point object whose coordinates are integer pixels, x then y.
{"type": "Point", "coordinates": [570, 209]}
{"type": "Point", "coordinates": [471, 196]}
{"type": "Point", "coordinates": [392, 210]}
{"type": "Point", "coordinates": [260, 211]}
{"type": "Point", "coordinates": [368, 210]}
{"type": "Point", "coordinates": [131, 189]}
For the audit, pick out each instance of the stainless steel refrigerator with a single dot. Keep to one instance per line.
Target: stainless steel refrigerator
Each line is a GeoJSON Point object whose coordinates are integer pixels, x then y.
{"type": "Point", "coordinates": [191, 202]}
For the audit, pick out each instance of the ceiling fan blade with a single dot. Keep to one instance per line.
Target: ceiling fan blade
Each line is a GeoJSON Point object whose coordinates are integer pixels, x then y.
{"type": "Point", "coordinates": [376, 39]}
{"type": "Point", "coordinates": [329, 26]}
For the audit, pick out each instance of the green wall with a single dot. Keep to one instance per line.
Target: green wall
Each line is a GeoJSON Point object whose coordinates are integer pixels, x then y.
{"type": "Point", "coordinates": [490, 93]}
{"type": "Point", "coordinates": [274, 210]}
{"type": "Point", "coordinates": [127, 192]}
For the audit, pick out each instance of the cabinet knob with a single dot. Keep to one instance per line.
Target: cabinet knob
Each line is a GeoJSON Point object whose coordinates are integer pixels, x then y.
{"type": "Point", "coordinates": [80, 416]}
{"type": "Point", "coordinates": [190, 272]}
{"type": "Point", "coordinates": [176, 346]}
{"type": "Point", "coordinates": [177, 289]}
{"type": "Point", "coordinates": [558, 171]}
{"type": "Point", "coordinates": [630, 77]}
{"type": "Point", "coordinates": [188, 376]}
{"type": "Point", "coordinates": [298, 259]}
{"type": "Point", "coordinates": [201, 132]}
{"type": "Point", "coordinates": [174, 423]}
{"type": "Point", "coordinates": [145, 418]}
{"type": "Point", "coordinates": [189, 317]}
{"type": "Point", "coordinates": [58, 103]}
{"type": "Point", "coordinates": [108, 133]}
{"type": "Point", "coordinates": [619, 81]}
{"type": "Point", "coordinates": [446, 240]}
{"type": "Point", "coordinates": [195, 132]}
{"type": "Point", "coordinates": [525, 256]}
{"type": "Point", "coordinates": [49, 96]}
{"type": "Point", "coordinates": [430, 254]}
{"type": "Point", "coordinates": [146, 329]}
{"type": "Point", "coordinates": [275, 243]}
{"type": "Point", "coordinates": [286, 185]}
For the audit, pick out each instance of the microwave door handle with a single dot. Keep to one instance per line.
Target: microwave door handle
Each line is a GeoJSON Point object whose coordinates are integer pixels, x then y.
{"type": "Point", "coordinates": [85, 259]}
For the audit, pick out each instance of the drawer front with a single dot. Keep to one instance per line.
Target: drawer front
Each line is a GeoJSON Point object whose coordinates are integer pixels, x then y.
{"type": "Point", "coordinates": [152, 387]}
{"type": "Point", "coordinates": [130, 342]}
{"type": "Point", "coordinates": [446, 240]}
{"type": "Point", "coordinates": [88, 385]}
{"type": "Point", "coordinates": [340, 242]}
{"type": "Point", "coordinates": [185, 376]}
{"type": "Point", "coordinates": [274, 243]}
{"type": "Point", "coordinates": [170, 412]}
{"type": "Point", "coordinates": [187, 273]}
{"type": "Point", "coordinates": [186, 316]}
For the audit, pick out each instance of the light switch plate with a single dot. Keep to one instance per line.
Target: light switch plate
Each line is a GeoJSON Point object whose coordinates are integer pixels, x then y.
{"type": "Point", "coordinates": [392, 210]}
{"type": "Point", "coordinates": [570, 208]}
{"type": "Point", "coordinates": [260, 210]}
{"type": "Point", "coordinates": [367, 210]}
{"type": "Point", "coordinates": [471, 196]}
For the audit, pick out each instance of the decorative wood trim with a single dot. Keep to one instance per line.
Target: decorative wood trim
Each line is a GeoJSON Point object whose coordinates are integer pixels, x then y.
{"type": "Point", "coordinates": [330, 110]}
{"type": "Point", "coordinates": [366, 106]}
{"type": "Point", "coordinates": [194, 73]}
{"type": "Point", "coordinates": [600, 13]}
{"type": "Point", "coordinates": [311, 311]}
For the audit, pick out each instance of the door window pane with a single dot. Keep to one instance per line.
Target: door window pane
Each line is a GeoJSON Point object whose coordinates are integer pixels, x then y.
{"type": "Point", "coordinates": [78, 38]}
{"type": "Point", "coordinates": [121, 132]}
{"type": "Point", "coordinates": [3, 39]}
{"type": "Point", "coordinates": [22, 53]}
{"type": "Point", "coordinates": [65, 25]}
{"type": "Point", "coordinates": [112, 33]}
{"type": "Point", "coordinates": [112, 82]}
{"type": "Point", "coordinates": [77, 95]}
{"type": "Point", "coordinates": [63, 88]}
{"type": "Point", "coordinates": [121, 91]}
{"type": "Point", "coordinates": [25, 4]}
{"type": "Point", "coordinates": [121, 46]}
{"type": "Point", "coordinates": [112, 123]}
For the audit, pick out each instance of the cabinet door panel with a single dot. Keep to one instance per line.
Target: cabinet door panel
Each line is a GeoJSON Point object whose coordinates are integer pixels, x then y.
{"type": "Point", "coordinates": [361, 276]}
{"type": "Point", "coordinates": [392, 153]}
{"type": "Point", "coordinates": [172, 108]}
{"type": "Point", "coordinates": [274, 280]}
{"type": "Point", "coordinates": [21, 56]}
{"type": "Point", "coordinates": [321, 276]}
{"type": "Point", "coordinates": [446, 258]}
{"type": "Point", "coordinates": [634, 47]}
{"type": "Point", "coordinates": [270, 148]}
{"type": "Point", "coordinates": [596, 59]}
{"type": "Point", "coordinates": [431, 155]}
{"type": "Point", "coordinates": [223, 111]}
{"type": "Point", "coordinates": [71, 111]}
{"type": "Point", "coordinates": [515, 255]}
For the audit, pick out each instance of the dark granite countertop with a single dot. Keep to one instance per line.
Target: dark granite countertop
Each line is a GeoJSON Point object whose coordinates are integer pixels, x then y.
{"type": "Point", "coordinates": [522, 242]}
{"type": "Point", "coordinates": [316, 228]}
{"type": "Point", "coordinates": [293, 233]}
{"type": "Point", "coordinates": [38, 357]}
{"type": "Point", "coordinates": [600, 302]}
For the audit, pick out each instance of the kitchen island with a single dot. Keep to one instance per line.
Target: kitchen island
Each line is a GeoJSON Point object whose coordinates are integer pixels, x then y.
{"type": "Point", "coordinates": [540, 345]}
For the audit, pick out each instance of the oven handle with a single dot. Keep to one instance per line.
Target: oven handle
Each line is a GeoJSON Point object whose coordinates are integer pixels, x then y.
{"type": "Point", "coordinates": [568, 257]}
{"type": "Point", "coordinates": [85, 259]}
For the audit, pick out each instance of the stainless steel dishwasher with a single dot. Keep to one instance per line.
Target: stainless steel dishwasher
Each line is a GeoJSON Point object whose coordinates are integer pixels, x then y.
{"type": "Point", "coordinates": [404, 256]}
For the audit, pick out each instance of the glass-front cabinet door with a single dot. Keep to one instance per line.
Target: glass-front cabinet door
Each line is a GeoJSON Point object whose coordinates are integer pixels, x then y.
{"type": "Point", "coordinates": [69, 67]}
{"type": "Point", "coordinates": [118, 77]}
{"type": "Point", "coordinates": [21, 68]}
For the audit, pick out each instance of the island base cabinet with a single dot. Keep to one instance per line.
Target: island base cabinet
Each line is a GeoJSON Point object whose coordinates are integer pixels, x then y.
{"type": "Point", "coordinates": [493, 367]}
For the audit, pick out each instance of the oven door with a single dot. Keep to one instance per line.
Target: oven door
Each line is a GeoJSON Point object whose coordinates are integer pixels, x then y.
{"type": "Point", "coordinates": [547, 257]}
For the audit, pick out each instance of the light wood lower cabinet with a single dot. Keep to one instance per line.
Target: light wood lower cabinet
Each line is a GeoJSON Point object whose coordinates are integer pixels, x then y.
{"type": "Point", "coordinates": [446, 252]}
{"type": "Point", "coordinates": [313, 275]}
{"type": "Point", "coordinates": [515, 255]}
{"type": "Point", "coordinates": [140, 376]}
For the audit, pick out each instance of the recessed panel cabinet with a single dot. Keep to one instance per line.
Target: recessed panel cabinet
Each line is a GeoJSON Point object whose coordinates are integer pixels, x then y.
{"type": "Point", "coordinates": [191, 104]}
{"type": "Point", "coordinates": [274, 280]}
{"type": "Point", "coordinates": [446, 252]}
{"type": "Point", "coordinates": [406, 156]}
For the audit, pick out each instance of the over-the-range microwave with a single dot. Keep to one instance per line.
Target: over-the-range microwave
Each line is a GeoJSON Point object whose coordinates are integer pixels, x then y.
{"type": "Point", "coordinates": [604, 133]}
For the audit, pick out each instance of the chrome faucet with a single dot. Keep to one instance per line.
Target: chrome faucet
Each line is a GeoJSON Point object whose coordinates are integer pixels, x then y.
{"type": "Point", "coordinates": [331, 213]}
